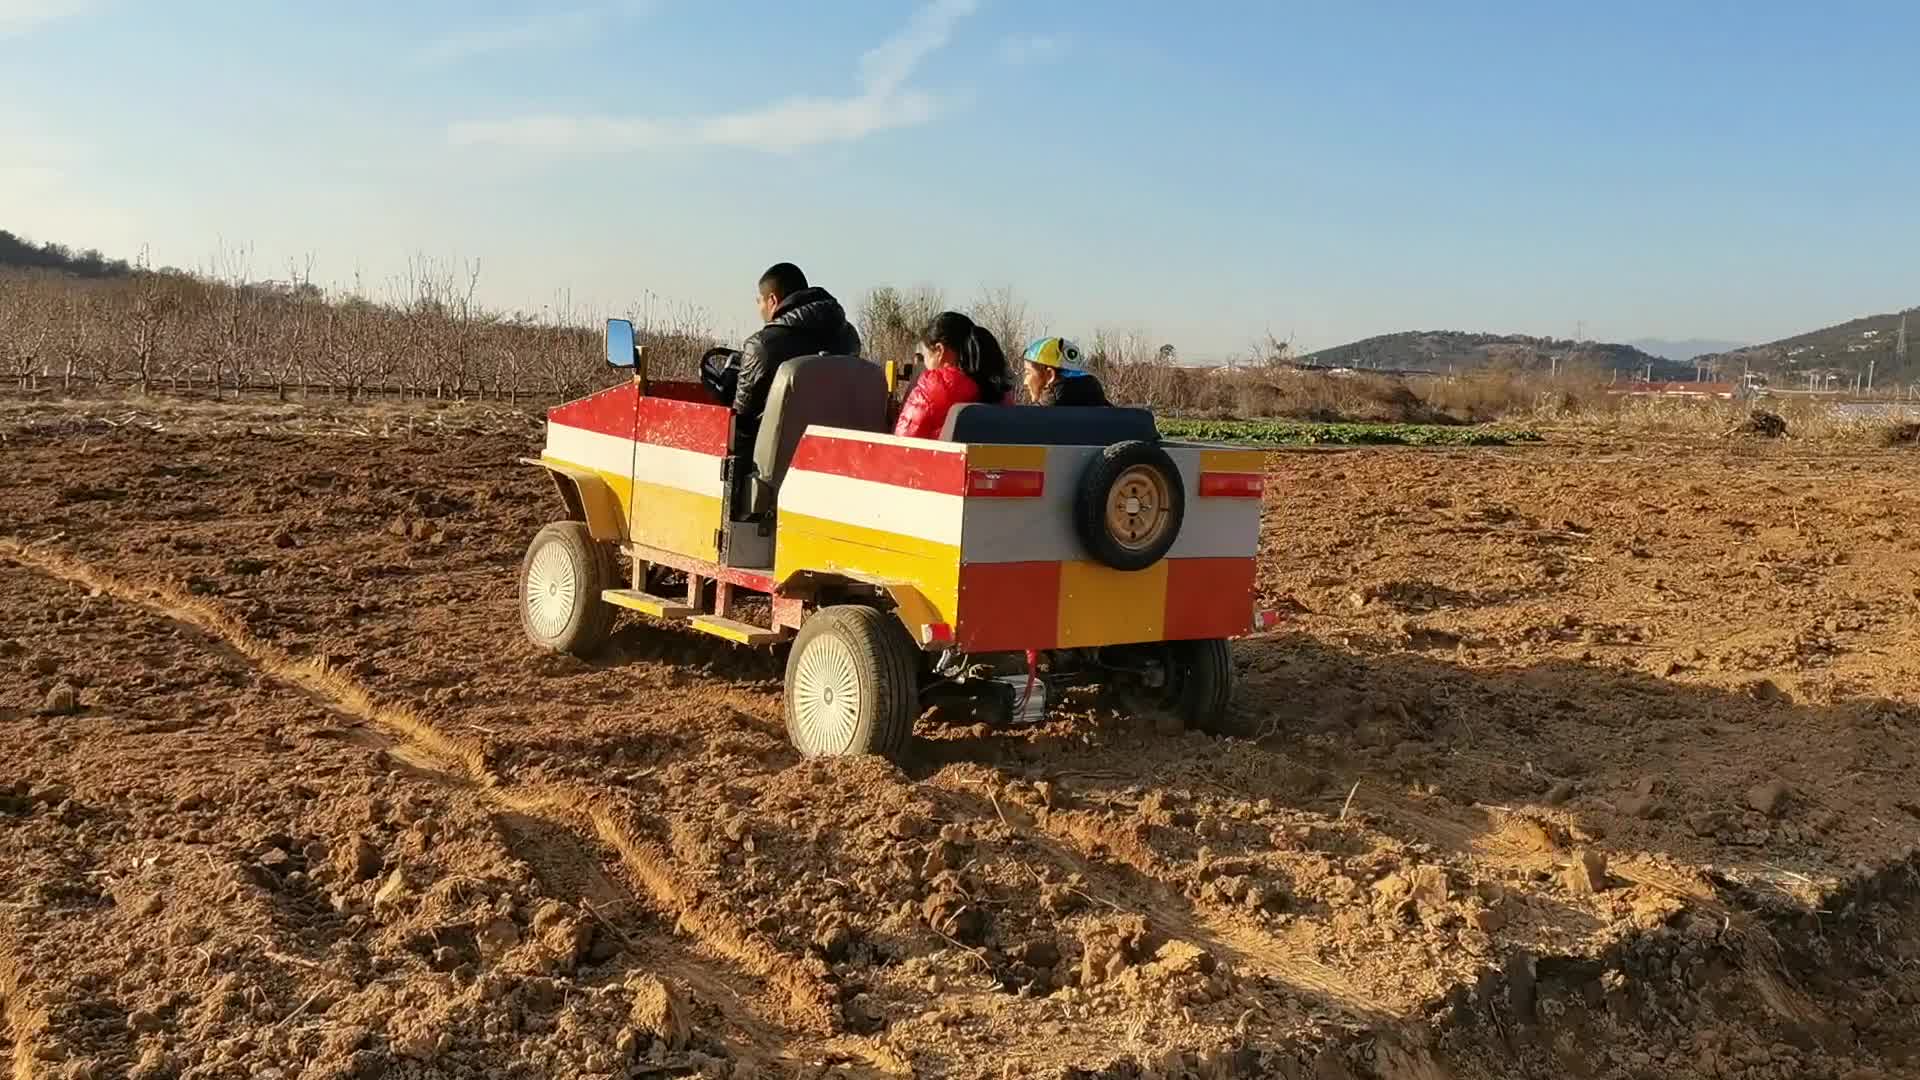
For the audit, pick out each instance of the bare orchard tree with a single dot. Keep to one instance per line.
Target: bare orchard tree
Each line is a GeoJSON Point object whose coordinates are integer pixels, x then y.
{"type": "Point", "coordinates": [236, 307]}
{"type": "Point", "coordinates": [288, 352]}
{"type": "Point", "coordinates": [1136, 370]}
{"type": "Point", "coordinates": [151, 326]}
{"type": "Point", "coordinates": [1005, 316]}
{"type": "Point", "coordinates": [891, 320]}
{"type": "Point", "coordinates": [25, 331]}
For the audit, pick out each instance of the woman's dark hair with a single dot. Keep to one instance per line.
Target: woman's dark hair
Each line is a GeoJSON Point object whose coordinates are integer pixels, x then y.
{"type": "Point", "coordinates": [978, 350]}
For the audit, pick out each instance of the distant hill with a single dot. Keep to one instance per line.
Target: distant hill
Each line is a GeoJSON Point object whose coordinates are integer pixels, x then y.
{"type": "Point", "coordinates": [1849, 347]}
{"type": "Point", "coordinates": [17, 251]}
{"type": "Point", "coordinates": [1457, 350]}
{"type": "Point", "coordinates": [1686, 349]}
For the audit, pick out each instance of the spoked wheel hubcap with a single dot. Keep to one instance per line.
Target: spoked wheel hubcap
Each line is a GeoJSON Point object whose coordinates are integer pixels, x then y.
{"type": "Point", "coordinates": [1138, 507]}
{"type": "Point", "coordinates": [553, 590]}
{"type": "Point", "coordinates": [826, 697]}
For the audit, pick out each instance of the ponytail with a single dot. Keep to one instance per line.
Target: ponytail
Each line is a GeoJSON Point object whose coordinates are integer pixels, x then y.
{"type": "Point", "coordinates": [978, 351]}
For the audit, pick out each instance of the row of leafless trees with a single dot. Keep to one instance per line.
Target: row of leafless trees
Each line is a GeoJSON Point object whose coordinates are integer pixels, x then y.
{"type": "Point", "coordinates": [422, 336]}
{"type": "Point", "coordinates": [223, 332]}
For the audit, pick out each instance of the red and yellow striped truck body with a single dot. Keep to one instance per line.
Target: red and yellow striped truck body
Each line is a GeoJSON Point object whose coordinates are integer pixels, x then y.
{"type": "Point", "coordinates": [977, 541]}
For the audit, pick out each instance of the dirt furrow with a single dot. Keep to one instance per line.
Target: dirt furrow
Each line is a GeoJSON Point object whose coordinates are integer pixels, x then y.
{"type": "Point", "coordinates": [20, 1022]}
{"type": "Point", "coordinates": [803, 1003]}
{"type": "Point", "coordinates": [807, 1004]}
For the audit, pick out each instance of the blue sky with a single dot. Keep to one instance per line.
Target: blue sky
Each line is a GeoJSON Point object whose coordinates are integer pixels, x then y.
{"type": "Point", "coordinates": [1204, 173]}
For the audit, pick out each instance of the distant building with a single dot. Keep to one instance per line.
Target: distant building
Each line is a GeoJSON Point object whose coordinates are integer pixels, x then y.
{"type": "Point", "coordinates": [1724, 391]}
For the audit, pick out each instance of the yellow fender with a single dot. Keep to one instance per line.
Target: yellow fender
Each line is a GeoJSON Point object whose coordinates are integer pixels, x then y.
{"type": "Point", "coordinates": [912, 609]}
{"type": "Point", "coordinates": [588, 498]}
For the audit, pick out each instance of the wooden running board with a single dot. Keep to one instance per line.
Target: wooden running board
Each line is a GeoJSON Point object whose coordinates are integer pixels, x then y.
{"type": "Point", "coordinates": [648, 604]}
{"type": "Point", "coordinates": [735, 630]}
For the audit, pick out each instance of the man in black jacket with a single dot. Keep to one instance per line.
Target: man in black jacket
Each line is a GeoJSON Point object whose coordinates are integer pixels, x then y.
{"type": "Point", "coordinates": [801, 320]}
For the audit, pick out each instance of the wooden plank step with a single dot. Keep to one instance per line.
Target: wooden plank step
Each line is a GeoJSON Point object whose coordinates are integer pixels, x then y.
{"type": "Point", "coordinates": [735, 630]}
{"type": "Point", "coordinates": [648, 604]}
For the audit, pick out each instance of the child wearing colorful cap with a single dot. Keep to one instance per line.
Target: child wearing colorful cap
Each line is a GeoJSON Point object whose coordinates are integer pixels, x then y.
{"type": "Point", "coordinates": [1057, 375]}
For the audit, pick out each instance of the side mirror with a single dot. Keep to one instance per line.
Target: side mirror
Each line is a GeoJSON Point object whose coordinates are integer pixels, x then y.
{"type": "Point", "coordinates": [621, 352]}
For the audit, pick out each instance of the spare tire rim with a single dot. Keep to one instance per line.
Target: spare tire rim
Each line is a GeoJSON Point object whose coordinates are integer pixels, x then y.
{"type": "Point", "coordinates": [1139, 507]}
{"type": "Point", "coordinates": [826, 696]}
{"type": "Point", "coordinates": [551, 590]}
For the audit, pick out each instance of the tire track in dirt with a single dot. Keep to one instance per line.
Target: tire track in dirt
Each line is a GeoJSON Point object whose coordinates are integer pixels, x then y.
{"type": "Point", "coordinates": [1067, 839]}
{"type": "Point", "coordinates": [1161, 901]}
{"type": "Point", "coordinates": [21, 1023]}
{"type": "Point", "coordinates": [807, 1004]}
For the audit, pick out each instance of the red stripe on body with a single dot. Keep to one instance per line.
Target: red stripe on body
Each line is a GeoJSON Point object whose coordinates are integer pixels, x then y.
{"type": "Point", "coordinates": [620, 411]}
{"type": "Point", "coordinates": [1232, 485]}
{"type": "Point", "coordinates": [1007, 607]}
{"type": "Point", "coordinates": [609, 412]}
{"type": "Point", "coordinates": [1208, 598]}
{"type": "Point", "coordinates": [685, 425]}
{"type": "Point", "coordinates": [914, 467]}
{"type": "Point", "coordinates": [1006, 483]}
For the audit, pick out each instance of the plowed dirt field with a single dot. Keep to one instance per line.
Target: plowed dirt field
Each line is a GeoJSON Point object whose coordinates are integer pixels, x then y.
{"type": "Point", "coordinates": [1578, 760]}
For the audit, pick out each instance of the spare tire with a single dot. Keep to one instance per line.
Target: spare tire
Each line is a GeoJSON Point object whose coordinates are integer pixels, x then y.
{"type": "Point", "coordinates": [1130, 505]}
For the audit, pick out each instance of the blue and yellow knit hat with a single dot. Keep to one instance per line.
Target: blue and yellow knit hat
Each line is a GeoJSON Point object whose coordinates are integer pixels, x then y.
{"type": "Point", "coordinates": [1057, 353]}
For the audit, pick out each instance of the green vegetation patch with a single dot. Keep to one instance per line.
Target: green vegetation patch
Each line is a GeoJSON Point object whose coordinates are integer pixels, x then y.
{"type": "Point", "coordinates": [1301, 433]}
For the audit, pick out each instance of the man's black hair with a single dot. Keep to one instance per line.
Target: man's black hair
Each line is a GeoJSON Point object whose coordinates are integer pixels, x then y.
{"type": "Point", "coordinates": [782, 280]}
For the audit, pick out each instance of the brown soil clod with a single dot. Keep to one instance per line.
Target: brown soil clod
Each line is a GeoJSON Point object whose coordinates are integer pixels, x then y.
{"type": "Point", "coordinates": [62, 700]}
{"type": "Point", "coordinates": [1587, 875]}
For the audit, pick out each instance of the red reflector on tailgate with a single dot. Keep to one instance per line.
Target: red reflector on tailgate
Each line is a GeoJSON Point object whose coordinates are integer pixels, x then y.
{"type": "Point", "coordinates": [1006, 483]}
{"type": "Point", "coordinates": [1232, 485]}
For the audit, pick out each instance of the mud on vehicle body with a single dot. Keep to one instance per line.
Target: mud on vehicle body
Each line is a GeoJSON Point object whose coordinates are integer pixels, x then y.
{"type": "Point", "coordinates": [1024, 550]}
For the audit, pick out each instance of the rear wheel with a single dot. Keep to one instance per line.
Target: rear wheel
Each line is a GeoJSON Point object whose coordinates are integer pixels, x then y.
{"type": "Point", "coordinates": [1200, 686]}
{"type": "Point", "coordinates": [561, 579]}
{"type": "Point", "coordinates": [852, 684]}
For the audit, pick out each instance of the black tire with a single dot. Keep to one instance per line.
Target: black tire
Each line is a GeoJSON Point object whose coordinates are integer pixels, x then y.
{"type": "Point", "coordinates": [1091, 520]}
{"type": "Point", "coordinates": [561, 578]}
{"type": "Point", "coordinates": [859, 651]}
{"type": "Point", "coordinates": [1200, 686]}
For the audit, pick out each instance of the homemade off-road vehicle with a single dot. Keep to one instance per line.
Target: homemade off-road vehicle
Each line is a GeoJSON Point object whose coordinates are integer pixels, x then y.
{"type": "Point", "coordinates": [1026, 548]}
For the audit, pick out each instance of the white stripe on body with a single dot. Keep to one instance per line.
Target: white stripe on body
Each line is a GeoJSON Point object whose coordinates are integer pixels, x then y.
{"type": "Point", "coordinates": [667, 466]}
{"type": "Point", "coordinates": [926, 515]}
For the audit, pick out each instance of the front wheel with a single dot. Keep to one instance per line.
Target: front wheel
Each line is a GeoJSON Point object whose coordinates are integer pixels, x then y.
{"type": "Point", "coordinates": [852, 684]}
{"type": "Point", "coordinates": [561, 579]}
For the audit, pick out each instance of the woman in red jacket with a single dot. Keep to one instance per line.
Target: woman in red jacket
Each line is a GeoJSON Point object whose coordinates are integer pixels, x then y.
{"type": "Point", "coordinates": [960, 363]}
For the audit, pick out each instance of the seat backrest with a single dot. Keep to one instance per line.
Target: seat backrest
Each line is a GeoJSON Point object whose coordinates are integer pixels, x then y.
{"type": "Point", "coordinates": [1048, 425]}
{"type": "Point", "coordinates": [833, 391]}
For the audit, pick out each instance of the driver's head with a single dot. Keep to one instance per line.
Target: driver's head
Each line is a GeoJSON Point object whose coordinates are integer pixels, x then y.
{"type": "Point", "coordinates": [779, 282]}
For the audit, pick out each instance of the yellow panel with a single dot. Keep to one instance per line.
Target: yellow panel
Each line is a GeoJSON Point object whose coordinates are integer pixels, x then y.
{"type": "Point", "coordinates": [806, 543]}
{"type": "Point", "coordinates": [1238, 461]}
{"type": "Point", "coordinates": [678, 521]}
{"type": "Point", "coordinates": [1103, 606]}
{"type": "Point", "coordinates": [683, 522]}
{"type": "Point", "coordinates": [991, 456]}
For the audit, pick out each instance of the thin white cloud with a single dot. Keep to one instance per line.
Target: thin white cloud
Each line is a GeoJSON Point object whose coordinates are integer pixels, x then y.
{"type": "Point", "coordinates": [1023, 49]}
{"type": "Point", "coordinates": [20, 16]}
{"type": "Point", "coordinates": [534, 30]}
{"type": "Point", "coordinates": [884, 103]}
{"type": "Point", "coordinates": [42, 188]}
